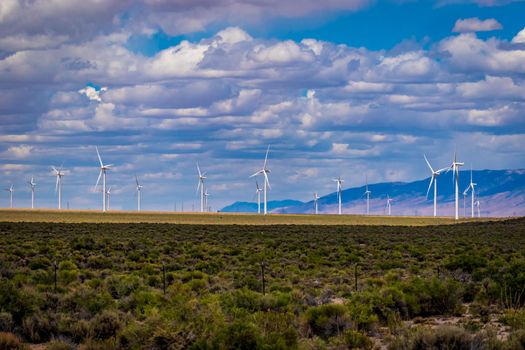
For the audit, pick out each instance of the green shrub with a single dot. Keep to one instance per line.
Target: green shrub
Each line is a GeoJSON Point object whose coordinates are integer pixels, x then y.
{"type": "Point", "coordinates": [106, 325]}
{"type": "Point", "coordinates": [237, 336]}
{"type": "Point", "coordinates": [40, 327]}
{"type": "Point", "coordinates": [6, 322]}
{"type": "Point", "coordinates": [327, 320]}
{"type": "Point", "coordinates": [9, 341]}
{"type": "Point", "coordinates": [357, 340]}
{"type": "Point", "coordinates": [18, 302]}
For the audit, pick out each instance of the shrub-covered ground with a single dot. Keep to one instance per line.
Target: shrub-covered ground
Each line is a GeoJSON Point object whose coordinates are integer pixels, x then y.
{"type": "Point", "coordinates": [165, 286]}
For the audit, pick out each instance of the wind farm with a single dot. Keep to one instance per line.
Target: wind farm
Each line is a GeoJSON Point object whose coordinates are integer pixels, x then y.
{"type": "Point", "coordinates": [262, 175]}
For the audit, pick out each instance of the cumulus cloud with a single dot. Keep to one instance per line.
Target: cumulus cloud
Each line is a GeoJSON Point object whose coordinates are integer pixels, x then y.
{"type": "Point", "coordinates": [92, 93]}
{"type": "Point", "coordinates": [476, 25]}
{"type": "Point", "coordinates": [520, 37]}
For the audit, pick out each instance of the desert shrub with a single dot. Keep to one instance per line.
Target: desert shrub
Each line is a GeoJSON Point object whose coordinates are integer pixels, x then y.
{"type": "Point", "coordinates": [18, 302]}
{"type": "Point", "coordinates": [59, 345]}
{"type": "Point", "coordinates": [122, 285]}
{"type": "Point", "coordinates": [327, 320]}
{"type": "Point", "coordinates": [432, 297]}
{"type": "Point", "coordinates": [444, 337]}
{"type": "Point", "coordinates": [241, 299]}
{"type": "Point", "coordinates": [40, 327]}
{"type": "Point", "coordinates": [106, 325]}
{"type": "Point", "coordinates": [357, 340]}
{"type": "Point", "coordinates": [92, 344]}
{"type": "Point", "coordinates": [6, 322]}
{"type": "Point", "coordinates": [516, 341]}
{"type": "Point", "coordinates": [141, 302]}
{"type": "Point", "coordinates": [239, 336]}
{"type": "Point", "coordinates": [362, 315]}
{"type": "Point", "coordinates": [40, 262]}
{"type": "Point", "coordinates": [87, 301]}
{"type": "Point", "coordinates": [515, 318]}
{"type": "Point", "coordinates": [9, 341]}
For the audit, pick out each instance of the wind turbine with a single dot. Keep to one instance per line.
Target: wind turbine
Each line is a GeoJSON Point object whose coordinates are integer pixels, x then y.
{"type": "Point", "coordinates": [58, 187]}
{"type": "Point", "coordinates": [367, 194]}
{"type": "Point", "coordinates": [108, 194]}
{"type": "Point", "coordinates": [206, 194]}
{"type": "Point", "coordinates": [139, 188]}
{"type": "Point", "coordinates": [465, 203]}
{"type": "Point", "coordinates": [339, 192]}
{"type": "Point", "coordinates": [266, 185]}
{"type": "Point", "coordinates": [477, 206]}
{"type": "Point", "coordinates": [258, 194]}
{"type": "Point", "coordinates": [388, 205]}
{"type": "Point", "coordinates": [200, 185]}
{"type": "Point", "coordinates": [316, 204]}
{"type": "Point", "coordinates": [471, 186]}
{"type": "Point", "coordinates": [32, 183]}
{"type": "Point", "coordinates": [455, 178]}
{"type": "Point", "coordinates": [10, 190]}
{"type": "Point", "coordinates": [433, 180]}
{"type": "Point", "coordinates": [103, 169]}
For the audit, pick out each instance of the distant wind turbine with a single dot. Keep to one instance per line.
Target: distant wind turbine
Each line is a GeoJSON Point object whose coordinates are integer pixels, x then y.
{"type": "Point", "coordinates": [388, 205]}
{"type": "Point", "coordinates": [59, 173]}
{"type": "Point", "coordinates": [316, 204]}
{"type": "Point", "coordinates": [433, 180]}
{"type": "Point", "coordinates": [139, 188]}
{"type": "Point", "coordinates": [455, 178]}
{"type": "Point", "coordinates": [206, 194]}
{"type": "Point", "coordinates": [103, 170]}
{"type": "Point", "coordinates": [471, 187]}
{"type": "Point", "coordinates": [367, 194]}
{"type": "Point", "coordinates": [108, 194]}
{"type": "Point", "coordinates": [32, 183]}
{"type": "Point", "coordinates": [10, 190]}
{"type": "Point", "coordinates": [339, 182]}
{"type": "Point", "coordinates": [200, 185]}
{"type": "Point", "coordinates": [266, 185]}
{"type": "Point", "coordinates": [477, 206]}
{"type": "Point", "coordinates": [258, 194]}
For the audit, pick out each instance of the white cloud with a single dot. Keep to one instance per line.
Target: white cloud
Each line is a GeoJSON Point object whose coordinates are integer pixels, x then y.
{"type": "Point", "coordinates": [22, 151]}
{"type": "Point", "coordinates": [520, 37]}
{"type": "Point", "coordinates": [92, 93]}
{"type": "Point", "coordinates": [476, 25]}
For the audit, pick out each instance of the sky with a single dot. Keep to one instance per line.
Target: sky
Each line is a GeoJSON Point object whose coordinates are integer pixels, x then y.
{"type": "Point", "coordinates": [351, 88]}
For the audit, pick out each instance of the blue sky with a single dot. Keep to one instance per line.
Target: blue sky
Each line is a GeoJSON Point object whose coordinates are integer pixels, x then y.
{"type": "Point", "coordinates": [340, 88]}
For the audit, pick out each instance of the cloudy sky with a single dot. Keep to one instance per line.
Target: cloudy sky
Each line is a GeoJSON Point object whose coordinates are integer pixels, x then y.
{"type": "Point", "coordinates": [337, 87]}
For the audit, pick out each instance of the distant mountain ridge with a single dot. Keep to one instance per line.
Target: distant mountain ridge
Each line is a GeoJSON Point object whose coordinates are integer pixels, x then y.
{"type": "Point", "coordinates": [248, 207]}
{"type": "Point", "coordinates": [500, 192]}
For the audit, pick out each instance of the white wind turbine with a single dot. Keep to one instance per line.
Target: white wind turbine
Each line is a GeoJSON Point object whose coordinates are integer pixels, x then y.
{"type": "Point", "coordinates": [339, 182]}
{"type": "Point", "coordinates": [367, 194]}
{"type": "Point", "coordinates": [108, 194]}
{"type": "Point", "coordinates": [455, 178]}
{"type": "Point", "coordinates": [32, 183]}
{"type": "Point", "coordinates": [10, 190]}
{"type": "Point", "coordinates": [477, 206]}
{"type": "Point", "coordinates": [258, 194]}
{"type": "Point", "coordinates": [266, 185]}
{"type": "Point", "coordinates": [316, 204]}
{"type": "Point", "coordinates": [103, 169]}
{"type": "Point", "coordinates": [206, 194]}
{"type": "Point", "coordinates": [139, 188]}
{"type": "Point", "coordinates": [471, 187]}
{"type": "Point", "coordinates": [200, 185]}
{"type": "Point", "coordinates": [433, 180]}
{"type": "Point", "coordinates": [389, 205]}
{"type": "Point", "coordinates": [58, 187]}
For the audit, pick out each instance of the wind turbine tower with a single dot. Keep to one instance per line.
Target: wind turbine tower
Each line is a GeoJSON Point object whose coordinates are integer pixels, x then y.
{"type": "Point", "coordinates": [258, 194]}
{"type": "Point", "coordinates": [339, 182]}
{"type": "Point", "coordinates": [266, 185]}
{"type": "Point", "coordinates": [32, 183]}
{"type": "Point", "coordinates": [471, 187]}
{"type": "Point", "coordinates": [316, 203]}
{"type": "Point", "coordinates": [10, 190]}
{"type": "Point", "coordinates": [367, 194]}
{"type": "Point", "coordinates": [455, 177]}
{"type": "Point", "coordinates": [389, 205]}
{"type": "Point", "coordinates": [139, 188]}
{"type": "Point", "coordinates": [200, 185]}
{"type": "Point", "coordinates": [59, 173]}
{"type": "Point", "coordinates": [108, 194]}
{"type": "Point", "coordinates": [103, 170]}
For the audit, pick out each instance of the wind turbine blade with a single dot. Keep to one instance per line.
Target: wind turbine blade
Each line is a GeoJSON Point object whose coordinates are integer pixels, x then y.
{"type": "Point", "coordinates": [430, 184]}
{"type": "Point", "coordinates": [257, 173]}
{"type": "Point", "coordinates": [99, 159]}
{"type": "Point", "coordinates": [98, 180]}
{"type": "Point", "coordinates": [199, 170]}
{"type": "Point", "coordinates": [54, 169]}
{"type": "Point", "coordinates": [267, 181]}
{"type": "Point", "coordinates": [428, 163]}
{"type": "Point", "coordinates": [198, 186]}
{"type": "Point", "coordinates": [266, 157]}
{"type": "Point", "coordinates": [137, 180]}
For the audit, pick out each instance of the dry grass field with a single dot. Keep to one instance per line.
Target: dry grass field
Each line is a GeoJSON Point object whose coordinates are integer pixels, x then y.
{"type": "Point", "coordinates": [88, 216]}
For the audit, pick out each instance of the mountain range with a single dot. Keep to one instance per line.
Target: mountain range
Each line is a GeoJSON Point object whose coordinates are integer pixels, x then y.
{"type": "Point", "coordinates": [500, 192]}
